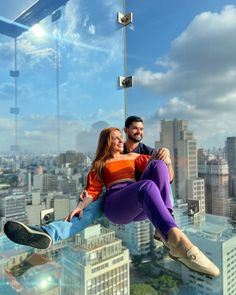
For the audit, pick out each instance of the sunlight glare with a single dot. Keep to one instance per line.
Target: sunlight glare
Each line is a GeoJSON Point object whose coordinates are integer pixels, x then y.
{"type": "Point", "coordinates": [38, 31]}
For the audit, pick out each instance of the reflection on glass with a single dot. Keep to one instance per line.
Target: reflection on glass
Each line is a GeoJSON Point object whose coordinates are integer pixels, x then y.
{"type": "Point", "coordinates": [66, 90]}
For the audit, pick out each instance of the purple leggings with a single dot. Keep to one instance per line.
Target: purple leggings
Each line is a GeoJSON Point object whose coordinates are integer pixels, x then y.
{"type": "Point", "coordinates": [147, 198]}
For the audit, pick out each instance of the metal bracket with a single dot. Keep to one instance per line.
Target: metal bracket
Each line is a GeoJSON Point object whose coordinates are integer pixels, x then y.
{"type": "Point", "coordinates": [14, 74]}
{"type": "Point", "coordinates": [15, 111]}
{"type": "Point", "coordinates": [125, 82]}
{"type": "Point", "coordinates": [125, 19]}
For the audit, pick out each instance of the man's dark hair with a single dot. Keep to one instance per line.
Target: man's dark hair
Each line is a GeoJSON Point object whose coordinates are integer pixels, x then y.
{"type": "Point", "coordinates": [132, 119]}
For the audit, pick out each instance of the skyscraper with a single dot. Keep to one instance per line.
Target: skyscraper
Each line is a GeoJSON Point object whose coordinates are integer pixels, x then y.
{"type": "Point", "coordinates": [135, 236]}
{"type": "Point", "coordinates": [183, 148]}
{"type": "Point", "coordinates": [45, 182]}
{"type": "Point", "coordinates": [216, 174]}
{"type": "Point", "coordinates": [96, 264]}
{"type": "Point", "coordinates": [13, 207]}
{"type": "Point", "coordinates": [216, 240]}
{"type": "Point", "coordinates": [230, 147]}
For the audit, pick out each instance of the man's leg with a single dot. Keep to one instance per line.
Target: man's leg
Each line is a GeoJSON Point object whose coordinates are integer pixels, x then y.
{"type": "Point", "coordinates": [158, 172]}
{"type": "Point", "coordinates": [122, 206]}
{"type": "Point", "coordinates": [125, 205]}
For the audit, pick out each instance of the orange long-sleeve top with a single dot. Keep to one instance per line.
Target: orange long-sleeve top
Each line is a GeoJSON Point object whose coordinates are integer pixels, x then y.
{"type": "Point", "coordinates": [113, 172]}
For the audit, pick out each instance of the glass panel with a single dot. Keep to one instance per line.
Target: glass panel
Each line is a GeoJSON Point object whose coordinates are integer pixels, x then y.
{"type": "Point", "coordinates": [182, 57]}
{"type": "Point", "coordinates": [58, 62]}
{"type": "Point", "coordinates": [61, 91]}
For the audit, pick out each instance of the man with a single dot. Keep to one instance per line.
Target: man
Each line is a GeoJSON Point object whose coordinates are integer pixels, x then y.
{"type": "Point", "coordinates": [43, 237]}
{"type": "Point", "coordinates": [134, 131]}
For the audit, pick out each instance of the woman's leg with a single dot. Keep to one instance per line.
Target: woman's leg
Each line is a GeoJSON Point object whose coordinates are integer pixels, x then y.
{"type": "Point", "coordinates": [43, 236]}
{"type": "Point", "coordinates": [61, 230]}
{"type": "Point", "coordinates": [142, 198]}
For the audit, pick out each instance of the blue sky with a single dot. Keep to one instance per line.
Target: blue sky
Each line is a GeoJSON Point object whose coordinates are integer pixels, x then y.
{"type": "Point", "coordinates": [182, 54]}
{"type": "Point", "coordinates": [183, 59]}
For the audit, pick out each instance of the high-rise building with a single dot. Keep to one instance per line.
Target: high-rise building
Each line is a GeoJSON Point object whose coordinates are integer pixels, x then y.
{"type": "Point", "coordinates": [216, 240]}
{"type": "Point", "coordinates": [63, 205]}
{"type": "Point", "coordinates": [136, 236]}
{"type": "Point", "coordinates": [13, 207]}
{"type": "Point", "coordinates": [67, 185]}
{"type": "Point", "coordinates": [216, 174]}
{"type": "Point", "coordinates": [183, 148]}
{"type": "Point", "coordinates": [45, 182]}
{"type": "Point", "coordinates": [230, 147]}
{"type": "Point", "coordinates": [96, 264]}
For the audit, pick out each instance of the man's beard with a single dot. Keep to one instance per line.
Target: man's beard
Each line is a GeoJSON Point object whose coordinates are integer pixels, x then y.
{"type": "Point", "coordinates": [134, 139]}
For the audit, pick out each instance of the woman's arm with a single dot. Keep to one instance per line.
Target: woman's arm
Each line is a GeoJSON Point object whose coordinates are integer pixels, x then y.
{"type": "Point", "coordinates": [84, 200]}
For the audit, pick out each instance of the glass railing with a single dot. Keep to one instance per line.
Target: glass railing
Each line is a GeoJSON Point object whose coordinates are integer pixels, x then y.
{"type": "Point", "coordinates": [70, 68]}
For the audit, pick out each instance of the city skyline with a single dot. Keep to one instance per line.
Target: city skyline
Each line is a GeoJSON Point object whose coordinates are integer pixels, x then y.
{"type": "Point", "coordinates": [52, 191]}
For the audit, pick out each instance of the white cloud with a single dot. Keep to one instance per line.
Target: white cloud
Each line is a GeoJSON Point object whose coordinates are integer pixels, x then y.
{"type": "Point", "coordinates": [116, 115]}
{"type": "Point", "coordinates": [6, 91]}
{"type": "Point", "coordinates": [6, 124]}
{"type": "Point", "coordinates": [6, 51]}
{"type": "Point", "coordinates": [86, 140]}
{"type": "Point", "coordinates": [92, 29]}
{"type": "Point", "coordinates": [198, 76]}
{"type": "Point", "coordinates": [91, 50]}
{"type": "Point", "coordinates": [38, 133]}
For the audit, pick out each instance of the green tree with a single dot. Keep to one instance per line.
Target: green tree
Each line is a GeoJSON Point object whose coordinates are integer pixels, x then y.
{"type": "Point", "coordinates": [136, 260]}
{"type": "Point", "coordinates": [142, 289]}
{"type": "Point", "coordinates": [165, 284]}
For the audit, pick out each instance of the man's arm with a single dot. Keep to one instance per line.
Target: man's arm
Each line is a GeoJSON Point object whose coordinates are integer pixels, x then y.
{"type": "Point", "coordinates": [164, 154]}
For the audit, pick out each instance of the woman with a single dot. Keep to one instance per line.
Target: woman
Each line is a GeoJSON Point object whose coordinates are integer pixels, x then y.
{"type": "Point", "coordinates": [127, 200]}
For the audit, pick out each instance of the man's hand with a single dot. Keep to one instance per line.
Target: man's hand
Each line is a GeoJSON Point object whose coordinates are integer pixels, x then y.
{"type": "Point", "coordinates": [163, 154]}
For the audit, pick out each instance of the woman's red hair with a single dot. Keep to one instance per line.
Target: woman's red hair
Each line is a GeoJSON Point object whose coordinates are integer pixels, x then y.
{"type": "Point", "coordinates": [103, 153]}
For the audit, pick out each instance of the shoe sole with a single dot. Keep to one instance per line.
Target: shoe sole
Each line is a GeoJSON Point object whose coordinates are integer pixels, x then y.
{"type": "Point", "coordinates": [194, 270]}
{"type": "Point", "coordinates": [22, 234]}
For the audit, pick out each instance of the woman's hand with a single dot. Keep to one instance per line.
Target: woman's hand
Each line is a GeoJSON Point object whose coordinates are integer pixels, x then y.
{"type": "Point", "coordinates": [77, 211]}
{"type": "Point", "coordinates": [84, 200]}
{"type": "Point", "coordinates": [83, 195]}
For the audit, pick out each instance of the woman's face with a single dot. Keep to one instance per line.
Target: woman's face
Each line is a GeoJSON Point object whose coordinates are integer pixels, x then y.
{"type": "Point", "coordinates": [117, 142]}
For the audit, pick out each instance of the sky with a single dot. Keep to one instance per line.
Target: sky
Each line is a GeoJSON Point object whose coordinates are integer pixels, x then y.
{"type": "Point", "coordinates": [182, 54]}
{"type": "Point", "coordinates": [185, 67]}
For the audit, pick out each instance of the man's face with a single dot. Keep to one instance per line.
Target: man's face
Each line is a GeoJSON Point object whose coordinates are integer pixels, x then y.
{"type": "Point", "coordinates": [135, 131]}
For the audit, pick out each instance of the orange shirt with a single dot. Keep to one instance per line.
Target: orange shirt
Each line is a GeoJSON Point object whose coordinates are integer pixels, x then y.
{"type": "Point", "coordinates": [113, 172]}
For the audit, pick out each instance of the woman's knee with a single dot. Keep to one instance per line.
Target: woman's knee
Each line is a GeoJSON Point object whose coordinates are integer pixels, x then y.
{"type": "Point", "coordinates": [157, 163]}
